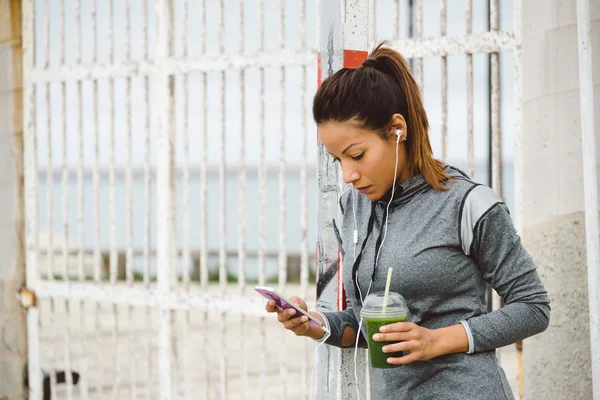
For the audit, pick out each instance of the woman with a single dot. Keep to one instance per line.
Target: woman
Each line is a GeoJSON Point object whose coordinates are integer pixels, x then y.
{"type": "Point", "coordinates": [445, 236]}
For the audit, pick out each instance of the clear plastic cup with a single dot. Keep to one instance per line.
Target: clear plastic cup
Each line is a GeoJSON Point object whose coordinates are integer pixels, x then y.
{"type": "Point", "coordinates": [374, 316]}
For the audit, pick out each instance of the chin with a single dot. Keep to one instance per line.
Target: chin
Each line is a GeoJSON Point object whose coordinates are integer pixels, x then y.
{"type": "Point", "coordinates": [373, 196]}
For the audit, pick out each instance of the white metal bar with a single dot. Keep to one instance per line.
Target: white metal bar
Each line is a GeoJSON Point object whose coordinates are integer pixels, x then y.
{"type": "Point", "coordinates": [129, 206]}
{"type": "Point", "coordinates": [116, 359]}
{"type": "Point", "coordinates": [304, 196]}
{"type": "Point", "coordinates": [67, 348]}
{"type": "Point", "coordinates": [262, 163]}
{"type": "Point", "coordinates": [303, 167]}
{"type": "Point", "coordinates": [83, 364]}
{"type": "Point", "coordinates": [129, 160]}
{"type": "Point", "coordinates": [470, 139]}
{"type": "Point", "coordinates": [53, 346]}
{"type": "Point", "coordinates": [96, 168]}
{"type": "Point", "coordinates": [31, 197]}
{"type": "Point", "coordinates": [419, 34]}
{"type": "Point", "coordinates": [588, 139]}
{"type": "Point", "coordinates": [138, 295]}
{"type": "Point", "coordinates": [203, 161]}
{"type": "Point", "coordinates": [49, 189]}
{"type": "Point", "coordinates": [396, 13]}
{"type": "Point", "coordinates": [65, 210]}
{"type": "Point", "coordinates": [164, 206]}
{"type": "Point", "coordinates": [282, 261]}
{"type": "Point", "coordinates": [224, 62]}
{"type": "Point", "coordinates": [488, 42]}
{"type": "Point", "coordinates": [113, 254]}
{"type": "Point", "coordinates": [282, 264]}
{"type": "Point", "coordinates": [495, 105]}
{"type": "Point", "coordinates": [83, 376]}
{"type": "Point", "coordinates": [147, 177]}
{"type": "Point", "coordinates": [222, 163]}
{"type": "Point", "coordinates": [205, 355]}
{"type": "Point", "coordinates": [173, 139]}
{"type": "Point", "coordinates": [242, 180]}
{"type": "Point", "coordinates": [186, 257]}
{"type": "Point", "coordinates": [147, 202]}
{"type": "Point", "coordinates": [444, 85]}
{"type": "Point", "coordinates": [372, 22]}
{"type": "Point", "coordinates": [262, 199]}
{"type": "Point", "coordinates": [113, 257]}
{"type": "Point", "coordinates": [80, 199]}
{"type": "Point", "coordinates": [242, 205]}
{"type": "Point", "coordinates": [222, 209]}
{"type": "Point", "coordinates": [185, 342]}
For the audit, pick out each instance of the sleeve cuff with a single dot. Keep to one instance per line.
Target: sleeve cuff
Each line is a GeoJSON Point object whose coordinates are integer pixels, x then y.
{"type": "Point", "coordinates": [469, 336]}
{"type": "Point", "coordinates": [326, 335]}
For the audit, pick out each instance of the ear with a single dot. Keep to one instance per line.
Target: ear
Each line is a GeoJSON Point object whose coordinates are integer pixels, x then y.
{"type": "Point", "coordinates": [398, 122]}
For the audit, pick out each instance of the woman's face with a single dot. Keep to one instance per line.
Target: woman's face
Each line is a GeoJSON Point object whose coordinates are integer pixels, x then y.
{"type": "Point", "coordinates": [366, 159]}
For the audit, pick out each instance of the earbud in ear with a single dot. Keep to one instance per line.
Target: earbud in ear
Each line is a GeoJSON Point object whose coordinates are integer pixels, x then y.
{"type": "Point", "coordinates": [398, 133]}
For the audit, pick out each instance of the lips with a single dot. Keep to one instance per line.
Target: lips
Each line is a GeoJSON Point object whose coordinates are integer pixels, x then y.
{"type": "Point", "coordinates": [364, 189]}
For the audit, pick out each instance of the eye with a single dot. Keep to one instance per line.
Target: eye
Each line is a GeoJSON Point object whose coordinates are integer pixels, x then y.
{"type": "Point", "coordinates": [358, 157]}
{"type": "Point", "coordinates": [335, 159]}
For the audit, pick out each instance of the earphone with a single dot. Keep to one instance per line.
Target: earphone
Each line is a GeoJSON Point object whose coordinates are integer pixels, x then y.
{"type": "Point", "coordinates": [398, 133]}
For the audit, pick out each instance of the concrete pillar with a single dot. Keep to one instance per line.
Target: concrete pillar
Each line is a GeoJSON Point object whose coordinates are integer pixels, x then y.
{"type": "Point", "coordinates": [557, 363]}
{"type": "Point", "coordinates": [13, 331]}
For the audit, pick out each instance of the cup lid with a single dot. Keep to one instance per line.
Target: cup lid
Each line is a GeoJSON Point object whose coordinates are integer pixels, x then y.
{"type": "Point", "coordinates": [373, 305]}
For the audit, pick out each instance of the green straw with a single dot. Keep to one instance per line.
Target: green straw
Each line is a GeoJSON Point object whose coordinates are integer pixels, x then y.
{"type": "Point", "coordinates": [387, 289]}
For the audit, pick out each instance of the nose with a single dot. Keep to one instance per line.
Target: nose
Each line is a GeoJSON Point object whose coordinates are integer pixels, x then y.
{"type": "Point", "coordinates": [350, 175]}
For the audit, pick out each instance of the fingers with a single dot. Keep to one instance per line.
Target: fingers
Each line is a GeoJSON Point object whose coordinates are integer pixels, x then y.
{"type": "Point", "coordinates": [411, 357]}
{"type": "Point", "coordinates": [283, 316]}
{"type": "Point", "coordinates": [298, 325]}
{"type": "Point", "coordinates": [299, 302]}
{"type": "Point", "coordinates": [396, 347]}
{"type": "Point", "coordinates": [272, 306]}
{"type": "Point", "coordinates": [396, 336]}
{"type": "Point", "coordinates": [398, 327]}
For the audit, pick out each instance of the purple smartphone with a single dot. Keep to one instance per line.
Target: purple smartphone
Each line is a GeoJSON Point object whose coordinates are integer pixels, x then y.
{"type": "Point", "coordinates": [283, 303]}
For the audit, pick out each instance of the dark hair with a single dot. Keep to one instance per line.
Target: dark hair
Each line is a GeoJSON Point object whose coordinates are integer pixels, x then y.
{"type": "Point", "coordinates": [374, 92]}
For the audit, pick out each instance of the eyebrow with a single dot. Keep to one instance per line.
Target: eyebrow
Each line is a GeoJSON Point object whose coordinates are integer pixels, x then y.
{"type": "Point", "coordinates": [353, 144]}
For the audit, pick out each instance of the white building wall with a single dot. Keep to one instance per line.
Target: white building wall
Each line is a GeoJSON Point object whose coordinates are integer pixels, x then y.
{"type": "Point", "coordinates": [557, 362]}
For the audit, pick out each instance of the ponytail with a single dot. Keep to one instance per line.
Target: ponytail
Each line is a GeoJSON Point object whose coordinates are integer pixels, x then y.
{"type": "Point", "coordinates": [420, 154]}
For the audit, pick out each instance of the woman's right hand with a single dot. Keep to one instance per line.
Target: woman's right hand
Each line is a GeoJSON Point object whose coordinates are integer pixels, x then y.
{"type": "Point", "coordinates": [290, 318]}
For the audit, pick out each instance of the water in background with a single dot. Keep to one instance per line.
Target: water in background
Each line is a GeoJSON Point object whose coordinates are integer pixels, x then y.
{"type": "Point", "coordinates": [292, 227]}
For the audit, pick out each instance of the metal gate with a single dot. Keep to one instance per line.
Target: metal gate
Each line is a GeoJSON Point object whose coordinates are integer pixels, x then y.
{"type": "Point", "coordinates": [152, 129]}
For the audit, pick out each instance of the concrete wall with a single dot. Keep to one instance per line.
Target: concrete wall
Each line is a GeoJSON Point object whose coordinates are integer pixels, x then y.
{"type": "Point", "coordinates": [13, 333]}
{"type": "Point", "coordinates": [557, 363]}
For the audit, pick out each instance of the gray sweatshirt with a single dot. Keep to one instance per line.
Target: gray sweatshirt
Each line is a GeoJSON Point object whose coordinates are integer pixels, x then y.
{"type": "Point", "coordinates": [444, 247]}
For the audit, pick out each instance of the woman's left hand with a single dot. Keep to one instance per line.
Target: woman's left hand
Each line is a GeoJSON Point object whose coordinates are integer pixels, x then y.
{"type": "Point", "coordinates": [418, 341]}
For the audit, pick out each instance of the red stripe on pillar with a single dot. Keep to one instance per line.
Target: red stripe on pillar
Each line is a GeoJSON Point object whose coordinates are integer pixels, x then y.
{"type": "Point", "coordinates": [354, 58]}
{"type": "Point", "coordinates": [341, 304]}
{"type": "Point", "coordinates": [319, 75]}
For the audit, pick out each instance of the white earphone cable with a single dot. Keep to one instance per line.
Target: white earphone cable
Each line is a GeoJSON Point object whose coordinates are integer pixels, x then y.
{"type": "Point", "coordinates": [376, 259]}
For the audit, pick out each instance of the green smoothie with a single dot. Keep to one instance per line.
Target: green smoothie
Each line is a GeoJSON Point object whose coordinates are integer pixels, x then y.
{"type": "Point", "coordinates": [376, 354]}
{"type": "Point", "coordinates": [379, 310]}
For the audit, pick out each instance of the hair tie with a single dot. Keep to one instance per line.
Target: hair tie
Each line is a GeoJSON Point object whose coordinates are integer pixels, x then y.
{"type": "Point", "coordinates": [370, 63]}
